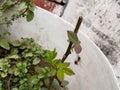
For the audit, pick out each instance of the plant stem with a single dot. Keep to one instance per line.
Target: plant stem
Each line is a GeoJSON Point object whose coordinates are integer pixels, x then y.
{"type": "Point", "coordinates": [9, 81]}
{"type": "Point", "coordinates": [68, 51]}
{"type": "Point", "coordinates": [18, 16]}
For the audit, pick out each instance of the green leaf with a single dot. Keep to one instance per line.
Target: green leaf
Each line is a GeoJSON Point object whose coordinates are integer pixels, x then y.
{"type": "Point", "coordinates": [28, 54]}
{"type": "Point", "coordinates": [52, 72]}
{"type": "Point", "coordinates": [34, 80]}
{"type": "Point", "coordinates": [56, 62]}
{"type": "Point", "coordinates": [60, 74]}
{"type": "Point", "coordinates": [31, 6]}
{"type": "Point", "coordinates": [38, 69]}
{"type": "Point", "coordinates": [23, 47]}
{"type": "Point", "coordinates": [3, 74]}
{"type": "Point", "coordinates": [64, 65]}
{"type": "Point", "coordinates": [22, 6]}
{"type": "Point", "coordinates": [15, 80]}
{"type": "Point", "coordinates": [22, 81]}
{"type": "Point", "coordinates": [7, 4]}
{"type": "Point", "coordinates": [17, 72]}
{"type": "Point", "coordinates": [40, 83]}
{"type": "Point", "coordinates": [9, 23]}
{"type": "Point", "coordinates": [25, 70]}
{"type": "Point", "coordinates": [55, 83]}
{"type": "Point", "coordinates": [73, 37]}
{"type": "Point", "coordinates": [11, 70]}
{"type": "Point", "coordinates": [4, 64]}
{"type": "Point", "coordinates": [51, 55]}
{"type": "Point", "coordinates": [14, 51]}
{"type": "Point", "coordinates": [16, 43]}
{"type": "Point", "coordinates": [15, 89]}
{"type": "Point", "coordinates": [41, 75]}
{"type": "Point", "coordinates": [47, 81]}
{"type": "Point", "coordinates": [13, 57]}
{"type": "Point", "coordinates": [40, 72]}
{"type": "Point", "coordinates": [64, 83]}
{"type": "Point", "coordinates": [6, 33]}
{"type": "Point", "coordinates": [22, 66]}
{"type": "Point", "coordinates": [4, 44]}
{"type": "Point", "coordinates": [30, 16]}
{"type": "Point", "coordinates": [68, 71]}
{"type": "Point", "coordinates": [36, 61]}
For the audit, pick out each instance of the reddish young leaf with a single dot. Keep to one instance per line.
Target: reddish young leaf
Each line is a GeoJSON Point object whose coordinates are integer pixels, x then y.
{"type": "Point", "coordinates": [78, 48]}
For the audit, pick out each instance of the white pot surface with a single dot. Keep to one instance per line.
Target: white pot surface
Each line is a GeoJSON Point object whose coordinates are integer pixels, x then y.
{"type": "Point", "coordinates": [92, 73]}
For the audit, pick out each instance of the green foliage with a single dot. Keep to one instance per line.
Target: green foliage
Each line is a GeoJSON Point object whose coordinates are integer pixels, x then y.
{"type": "Point", "coordinates": [55, 83]}
{"type": "Point", "coordinates": [36, 61]}
{"type": "Point", "coordinates": [4, 44]}
{"type": "Point", "coordinates": [63, 69]}
{"type": "Point", "coordinates": [30, 16]}
{"type": "Point", "coordinates": [75, 41]}
{"type": "Point", "coordinates": [68, 71]}
{"type": "Point", "coordinates": [64, 83]}
{"type": "Point", "coordinates": [73, 37]}
{"type": "Point", "coordinates": [25, 65]}
{"type": "Point", "coordinates": [24, 8]}
{"type": "Point", "coordinates": [16, 43]}
{"type": "Point", "coordinates": [60, 74]}
{"type": "Point", "coordinates": [50, 55]}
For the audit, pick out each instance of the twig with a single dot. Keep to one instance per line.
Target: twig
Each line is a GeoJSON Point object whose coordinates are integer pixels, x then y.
{"type": "Point", "coordinates": [9, 81]}
{"type": "Point", "coordinates": [68, 51]}
{"type": "Point", "coordinates": [18, 16]}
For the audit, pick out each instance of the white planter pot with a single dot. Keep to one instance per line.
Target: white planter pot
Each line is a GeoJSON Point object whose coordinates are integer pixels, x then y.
{"type": "Point", "coordinates": [93, 72]}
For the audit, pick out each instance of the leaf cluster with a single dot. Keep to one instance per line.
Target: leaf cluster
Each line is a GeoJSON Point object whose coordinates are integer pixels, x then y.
{"type": "Point", "coordinates": [25, 65]}
{"type": "Point", "coordinates": [23, 8]}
